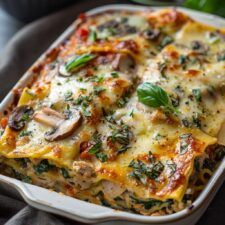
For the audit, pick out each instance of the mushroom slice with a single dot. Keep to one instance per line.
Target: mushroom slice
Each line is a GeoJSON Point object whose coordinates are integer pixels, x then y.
{"type": "Point", "coordinates": [19, 117]}
{"type": "Point", "coordinates": [62, 126]}
{"type": "Point", "coordinates": [124, 63]}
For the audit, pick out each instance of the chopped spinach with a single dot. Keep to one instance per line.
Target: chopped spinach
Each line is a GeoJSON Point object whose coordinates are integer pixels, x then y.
{"type": "Point", "coordinates": [42, 167]}
{"type": "Point", "coordinates": [22, 177]}
{"type": "Point", "coordinates": [96, 144]}
{"type": "Point", "coordinates": [65, 173]}
{"type": "Point", "coordinates": [148, 204]}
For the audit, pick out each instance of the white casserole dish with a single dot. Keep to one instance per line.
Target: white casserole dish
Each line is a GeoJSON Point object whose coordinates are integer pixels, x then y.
{"type": "Point", "coordinates": [90, 213]}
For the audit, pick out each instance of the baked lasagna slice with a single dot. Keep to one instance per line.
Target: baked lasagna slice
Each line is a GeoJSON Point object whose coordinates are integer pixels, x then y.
{"type": "Point", "coordinates": [128, 112]}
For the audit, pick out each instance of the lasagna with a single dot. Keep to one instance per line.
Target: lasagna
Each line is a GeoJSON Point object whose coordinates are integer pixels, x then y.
{"type": "Point", "coordinates": [128, 113]}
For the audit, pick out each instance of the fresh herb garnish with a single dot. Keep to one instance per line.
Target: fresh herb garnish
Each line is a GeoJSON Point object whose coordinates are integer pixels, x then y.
{"type": "Point", "coordinates": [182, 59]}
{"type": "Point", "coordinates": [165, 41]}
{"type": "Point", "coordinates": [78, 62]}
{"type": "Point", "coordinates": [141, 170]}
{"type": "Point", "coordinates": [154, 96]}
{"type": "Point", "coordinates": [197, 94]}
{"type": "Point", "coordinates": [98, 90]}
{"type": "Point", "coordinates": [102, 156]}
{"type": "Point", "coordinates": [148, 204]}
{"type": "Point", "coordinates": [25, 133]}
{"type": "Point", "coordinates": [121, 137]}
{"type": "Point", "coordinates": [95, 78]}
{"type": "Point", "coordinates": [172, 167]}
{"type": "Point", "coordinates": [96, 144]}
{"type": "Point", "coordinates": [114, 74]}
{"type": "Point", "coordinates": [184, 143]}
{"type": "Point", "coordinates": [123, 100]}
{"type": "Point", "coordinates": [68, 96]}
{"type": "Point", "coordinates": [196, 120]}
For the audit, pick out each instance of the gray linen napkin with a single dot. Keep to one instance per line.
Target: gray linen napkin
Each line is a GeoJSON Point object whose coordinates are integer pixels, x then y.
{"type": "Point", "coordinates": [22, 50]}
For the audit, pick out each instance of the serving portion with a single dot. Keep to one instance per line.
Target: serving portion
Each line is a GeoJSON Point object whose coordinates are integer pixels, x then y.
{"type": "Point", "coordinates": [127, 113]}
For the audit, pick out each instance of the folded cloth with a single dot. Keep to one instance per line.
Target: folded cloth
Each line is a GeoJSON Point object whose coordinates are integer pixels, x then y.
{"type": "Point", "coordinates": [23, 49]}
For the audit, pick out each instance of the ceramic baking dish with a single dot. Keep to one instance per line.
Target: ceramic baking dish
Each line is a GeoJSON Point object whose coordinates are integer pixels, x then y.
{"type": "Point", "coordinates": [53, 202]}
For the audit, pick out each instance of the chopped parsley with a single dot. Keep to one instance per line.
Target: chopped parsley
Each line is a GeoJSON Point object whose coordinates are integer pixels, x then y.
{"type": "Point", "coordinates": [184, 143]}
{"type": "Point", "coordinates": [98, 90]}
{"type": "Point", "coordinates": [114, 74]}
{"type": "Point", "coordinates": [68, 96]}
{"type": "Point", "coordinates": [121, 137]}
{"type": "Point", "coordinates": [96, 144]}
{"type": "Point", "coordinates": [142, 171]}
{"type": "Point", "coordinates": [25, 133]}
{"type": "Point", "coordinates": [102, 156]}
{"type": "Point", "coordinates": [197, 94]}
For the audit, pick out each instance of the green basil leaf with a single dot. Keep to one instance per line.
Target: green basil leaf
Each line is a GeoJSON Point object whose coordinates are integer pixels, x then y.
{"type": "Point", "coordinates": [78, 62]}
{"type": "Point", "coordinates": [152, 95]}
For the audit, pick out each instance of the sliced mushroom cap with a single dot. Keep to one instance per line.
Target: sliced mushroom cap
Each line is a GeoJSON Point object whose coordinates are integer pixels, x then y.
{"type": "Point", "coordinates": [62, 126]}
{"type": "Point", "coordinates": [124, 63]}
{"type": "Point", "coordinates": [19, 117]}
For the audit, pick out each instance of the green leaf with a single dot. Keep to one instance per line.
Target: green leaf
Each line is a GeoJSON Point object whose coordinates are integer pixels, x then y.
{"type": "Point", "coordinates": [102, 156]}
{"type": "Point", "coordinates": [78, 62]}
{"type": "Point", "coordinates": [97, 144]}
{"type": "Point", "coordinates": [154, 96]}
{"type": "Point", "coordinates": [42, 167]}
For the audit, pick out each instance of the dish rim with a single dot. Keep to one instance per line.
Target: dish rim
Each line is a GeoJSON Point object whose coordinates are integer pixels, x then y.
{"type": "Point", "coordinates": [110, 214]}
